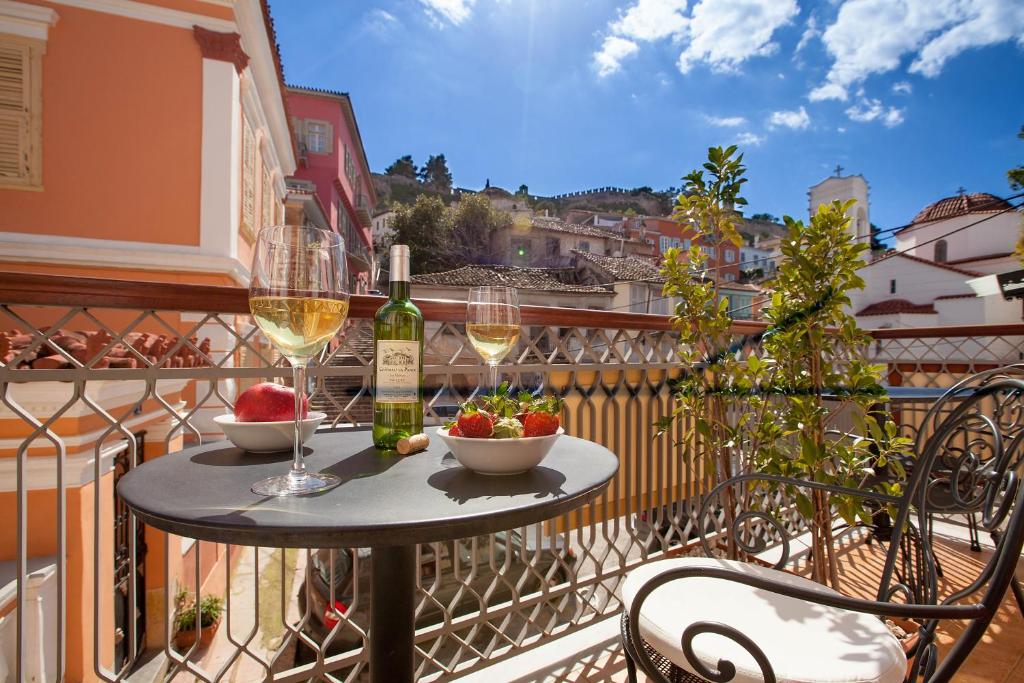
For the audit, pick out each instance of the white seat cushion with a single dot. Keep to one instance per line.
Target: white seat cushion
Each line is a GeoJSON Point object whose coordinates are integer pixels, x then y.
{"type": "Point", "coordinates": [804, 642]}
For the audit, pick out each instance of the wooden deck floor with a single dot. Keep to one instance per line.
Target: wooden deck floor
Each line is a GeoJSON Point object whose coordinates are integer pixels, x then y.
{"type": "Point", "coordinates": [999, 658]}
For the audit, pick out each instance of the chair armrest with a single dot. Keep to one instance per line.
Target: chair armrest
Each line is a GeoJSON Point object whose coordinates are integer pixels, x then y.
{"type": "Point", "coordinates": [788, 481]}
{"type": "Point", "coordinates": [726, 670]}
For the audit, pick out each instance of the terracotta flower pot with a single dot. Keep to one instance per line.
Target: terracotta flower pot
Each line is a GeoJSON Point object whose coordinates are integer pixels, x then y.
{"type": "Point", "coordinates": [183, 640]}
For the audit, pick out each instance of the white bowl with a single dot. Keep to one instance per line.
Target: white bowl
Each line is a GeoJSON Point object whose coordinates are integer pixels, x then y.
{"type": "Point", "coordinates": [267, 437]}
{"type": "Point", "coordinates": [499, 456]}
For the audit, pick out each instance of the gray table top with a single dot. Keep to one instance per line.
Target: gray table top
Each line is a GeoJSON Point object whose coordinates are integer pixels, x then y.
{"type": "Point", "coordinates": [384, 499]}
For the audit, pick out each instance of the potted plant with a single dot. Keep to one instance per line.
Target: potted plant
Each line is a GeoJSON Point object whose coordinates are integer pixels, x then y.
{"type": "Point", "coordinates": [211, 607]}
{"type": "Point", "coordinates": [816, 349]}
{"type": "Point", "coordinates": [712, 401]}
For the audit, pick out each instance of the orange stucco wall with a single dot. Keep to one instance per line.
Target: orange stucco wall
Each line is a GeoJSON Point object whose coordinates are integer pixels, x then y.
{"type": "Point", "coordinates": [122, 123]}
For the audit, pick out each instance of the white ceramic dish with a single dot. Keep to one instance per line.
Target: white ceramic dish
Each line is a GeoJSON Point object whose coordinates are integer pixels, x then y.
{"type": "Point", "coordinates": [267, 437]}
{"type": "Point", "coordinates": [499, 456]}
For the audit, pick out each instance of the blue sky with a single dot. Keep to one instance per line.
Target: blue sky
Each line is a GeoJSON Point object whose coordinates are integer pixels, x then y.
{"type": "Point", "coordinates": [920, 96]}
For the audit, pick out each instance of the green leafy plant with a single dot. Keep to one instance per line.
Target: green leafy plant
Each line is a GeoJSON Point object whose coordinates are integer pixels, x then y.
{"type": "Point", "coordinates": [713, 401]}
{"type": "Point", "coordinates": [815, 348]}
{"type": "Point", "coordinates": [211, 607]}
{"type": "Point", "coordinates": [743, 410]}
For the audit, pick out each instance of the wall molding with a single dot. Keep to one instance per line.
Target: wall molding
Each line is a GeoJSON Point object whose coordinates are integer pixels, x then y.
{"type": "Point", "coordinates": [226, 47]}
{"type": "Point", "coordinates": [27, 21]}
{"type": "Point", "coordinates": [43, 399]}
{"type": "Point", "coordinates": [152, 13]}
{"type": "Point", "coordinates": [25, 247]}
{"type": "Point", "coordinates": [249, 14]}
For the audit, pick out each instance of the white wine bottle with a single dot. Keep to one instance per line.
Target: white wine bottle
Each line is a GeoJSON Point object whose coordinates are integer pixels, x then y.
{"type": "Point", "coordinates": [398, 360]}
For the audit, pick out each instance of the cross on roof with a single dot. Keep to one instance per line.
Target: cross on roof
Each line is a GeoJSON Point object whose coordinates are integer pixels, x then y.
{"type": "Point", "coordinates": [839, 171]}
{"type": "Point", "coordinates": [961, 190]}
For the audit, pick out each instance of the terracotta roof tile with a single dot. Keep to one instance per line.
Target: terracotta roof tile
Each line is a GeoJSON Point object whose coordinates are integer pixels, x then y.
{"type": "Point", "coordinates": [624, 268]}
{"type": "Point", "coordinates": [533, 279]}
{"type": "Point", "coordinates": [557, 225]}
{"type": "Point", "coordinates": [960, 205]}
{"type": "Point", "coordinates": [891, 306]}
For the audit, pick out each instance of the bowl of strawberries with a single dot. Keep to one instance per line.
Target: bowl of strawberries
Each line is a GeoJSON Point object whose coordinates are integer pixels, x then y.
{"type": "Point", "coordinates": [504, 434]}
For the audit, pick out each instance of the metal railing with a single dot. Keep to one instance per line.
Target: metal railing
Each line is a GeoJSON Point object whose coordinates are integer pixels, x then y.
{"type": "Point", "coordinates": [87, 365]}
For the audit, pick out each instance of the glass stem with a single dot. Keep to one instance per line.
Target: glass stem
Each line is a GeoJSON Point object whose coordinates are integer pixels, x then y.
{"type": "Point", "coordinates": [494, 376]}
{"type": "Point", "coordinates": [298, 470]}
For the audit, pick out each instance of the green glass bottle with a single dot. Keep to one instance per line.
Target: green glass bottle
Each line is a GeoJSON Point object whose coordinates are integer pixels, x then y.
{"type": "Point", "coordinates": [398, 360]}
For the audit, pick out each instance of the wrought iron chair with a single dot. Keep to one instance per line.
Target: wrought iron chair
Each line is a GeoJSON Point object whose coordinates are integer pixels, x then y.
{"type": "Point", "coordinates": [694, 619]}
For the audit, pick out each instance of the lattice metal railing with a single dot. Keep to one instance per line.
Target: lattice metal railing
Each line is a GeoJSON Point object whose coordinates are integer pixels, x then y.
{"type": "Point", "coordinates": [83, 375]}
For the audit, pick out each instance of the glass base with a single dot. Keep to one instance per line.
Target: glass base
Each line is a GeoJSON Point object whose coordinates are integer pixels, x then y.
{"type": "Point", "coordinates": [288, 485]}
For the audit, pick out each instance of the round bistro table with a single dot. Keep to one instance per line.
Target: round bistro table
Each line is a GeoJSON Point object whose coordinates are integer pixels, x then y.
{"type": "Point", "coordinates": [386, 502]}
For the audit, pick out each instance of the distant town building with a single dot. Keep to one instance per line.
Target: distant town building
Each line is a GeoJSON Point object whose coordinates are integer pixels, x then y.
{"type": "Point", "coordinates": [723, 259]}
{"type": "Point", "coordinates": [333, 162]}
{"type": "Point", "coordinates": [922, 282]}
{"type": "Point", "coordinates": [536, 286]}
{"type": "Point", "coordinates": [842, 188]}
{"type": "Point", "coordinates": [550, 242]}
{"type": "Point", "coordinates": [381, 229]}
{"type": "Point", "coordinates": [760, 255]}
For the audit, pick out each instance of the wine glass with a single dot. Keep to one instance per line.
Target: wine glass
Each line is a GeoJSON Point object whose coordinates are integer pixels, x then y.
{"type": "Point", "coordinates": [493, 324]}
{"type": "Point", "coordinates": [298, 296]}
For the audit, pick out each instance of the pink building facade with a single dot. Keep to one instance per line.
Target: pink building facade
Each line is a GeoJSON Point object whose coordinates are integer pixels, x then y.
{"type": "Point", "coordinates": [332, 163]}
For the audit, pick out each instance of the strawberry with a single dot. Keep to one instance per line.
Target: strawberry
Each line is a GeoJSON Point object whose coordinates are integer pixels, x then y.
{"type": "Point", "coordinates": [474, 423]}
{"type": "Point", "coordinates": [540, 424]}
{"type": "Point", "coordinates": [453, 428]}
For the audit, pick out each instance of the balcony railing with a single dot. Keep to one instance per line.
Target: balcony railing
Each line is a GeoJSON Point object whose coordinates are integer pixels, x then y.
{"type": "Point", "coordinates": [98, 375]}
{"type": "Point", "coordinates": [363, 209]}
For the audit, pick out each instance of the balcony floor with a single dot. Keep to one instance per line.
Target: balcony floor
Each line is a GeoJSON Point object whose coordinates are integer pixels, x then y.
{"type": "Point", "coordinates": [999, 658]}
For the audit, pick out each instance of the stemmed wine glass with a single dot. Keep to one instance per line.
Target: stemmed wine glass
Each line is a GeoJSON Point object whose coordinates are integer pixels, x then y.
{"type": "Point", "coordinates": [298, 296]}
{"type": "Point", "coordinates": [493, 324]}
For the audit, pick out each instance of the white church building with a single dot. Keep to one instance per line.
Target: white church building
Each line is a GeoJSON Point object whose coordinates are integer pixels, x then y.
{"type": "Point", "coordinates": [927, 285]}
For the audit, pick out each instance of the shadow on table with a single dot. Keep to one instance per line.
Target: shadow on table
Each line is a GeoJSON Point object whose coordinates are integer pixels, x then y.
{"type": "Point", "coordinates": [462, 485]}
{"type": "Point", "coordinates": [365, 463]}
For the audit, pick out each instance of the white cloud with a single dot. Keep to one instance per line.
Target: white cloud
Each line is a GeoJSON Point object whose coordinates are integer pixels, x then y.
{"type": "Point", "coordinates": [750, 139]}
{"type": "Point", "coordinates": [725, 33]}
{"type": "Point", "coordinates": [874, 36]}
{"type": "Point", "coordinates": [453, 11]}
{"type": "Point", "coordinates": [609, 58]}
{"type": "Point", "coordinates": [720, 33]}
{"type": "Point", "coordinates": [725, 121]}
{"type": "Point", "coordinates": [380, 21]}
{"type": "Point", "coordinates": [796, 119]}
{"type": "Point", "coordinates": [810, 33]}
{"type": "Point", "coordinates": [651, 20]}
{"type": "Point", "coordinates": [868, 110]}
{"type": "Point", "coordinates": [902, 88]}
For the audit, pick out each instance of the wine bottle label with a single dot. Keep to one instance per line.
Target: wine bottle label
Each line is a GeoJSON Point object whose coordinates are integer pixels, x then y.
{"type": "Point", "coordinates": [397, 366]}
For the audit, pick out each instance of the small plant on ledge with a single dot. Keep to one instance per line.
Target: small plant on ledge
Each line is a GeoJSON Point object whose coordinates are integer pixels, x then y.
{"type": "Point", "coordinates": [211, 607]}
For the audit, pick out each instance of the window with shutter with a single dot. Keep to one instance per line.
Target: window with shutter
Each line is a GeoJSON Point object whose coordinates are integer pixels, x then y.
{"type": "Point", "coordinates": [20, 109]}
{"type": "Point", "coordinates": [319, 136]}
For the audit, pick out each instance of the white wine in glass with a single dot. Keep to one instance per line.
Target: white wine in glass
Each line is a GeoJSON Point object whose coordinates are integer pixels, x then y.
{"type": "Point", "coordinates": [493, 324]}
{"type": "Point", "coordinates": [298, 296]}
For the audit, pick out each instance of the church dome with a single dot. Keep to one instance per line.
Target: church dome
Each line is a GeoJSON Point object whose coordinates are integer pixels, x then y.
{"type": "Point", "coordinates": [961, 205]}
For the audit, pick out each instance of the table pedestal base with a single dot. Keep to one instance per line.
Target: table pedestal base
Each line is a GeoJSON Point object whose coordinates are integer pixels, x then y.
{"type": "Point", "coordinates": [392, 614]}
